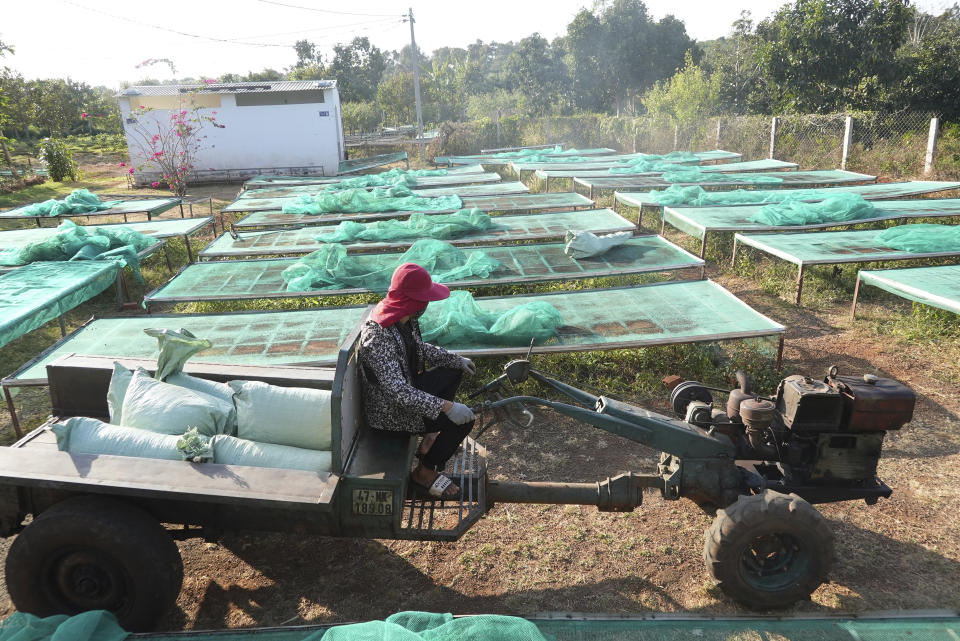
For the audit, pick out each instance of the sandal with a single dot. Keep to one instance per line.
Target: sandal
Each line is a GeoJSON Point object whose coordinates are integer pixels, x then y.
{"type": "Point", "coordinates": [438, 490]}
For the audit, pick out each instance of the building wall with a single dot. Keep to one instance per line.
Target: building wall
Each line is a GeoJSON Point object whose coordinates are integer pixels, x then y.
{"type": "Point", "coordinates": [267, 133]}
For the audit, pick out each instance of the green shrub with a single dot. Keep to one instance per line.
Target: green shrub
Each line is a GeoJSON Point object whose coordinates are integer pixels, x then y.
{"type": "Point", "coordinates": [59, 160]}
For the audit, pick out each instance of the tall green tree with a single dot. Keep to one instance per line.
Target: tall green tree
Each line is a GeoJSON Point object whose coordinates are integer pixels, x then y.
{"type": "Point", "coordinates": [617, 52]}
{"type": "Point", "coordinates": [826, 55]}
{"type": "Point", "coordinates": [358, 68]}
{"type": "Point", "coordinates": [930, 66]}
{"type": "Point", "coordinates": [537, 72]}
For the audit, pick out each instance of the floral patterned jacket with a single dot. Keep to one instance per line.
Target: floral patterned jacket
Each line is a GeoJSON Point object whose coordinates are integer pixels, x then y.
{"type": "Point", "coordinates": [391, 402]}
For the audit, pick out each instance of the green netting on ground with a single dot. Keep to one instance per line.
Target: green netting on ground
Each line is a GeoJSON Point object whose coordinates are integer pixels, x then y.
{"type": "Point", "coordinates": [75, 243]}
{"type": "Point", "coordinates": [393, 177]}
{"type": "Point", "coordinates": [460, 320]}
{"type": "Point", "coordinates": [669, 159]}
{"type": "Point", "coordinates": [698, 220]}
{"type": "Point", "coordinates": [827, 247]}
{"type": "Point", "coordinates": [331, 268]}
{"type": "Point", "coordinates": [309, 337]}
{"type": "Point", "coordinates": [359, 164]}
{"type": "Point", "coordinates": [96, 625]}
{"type": "Point", "coordinates": [523, 227]}
{"type": "Point", "coordinates": [37, 293]}
{"type": "Point", "coordinates": [696, 196]}
{"type": "Point", "coordinates": [922, 238]}
{"type": "Point", "coordinates": [936, 286]}
{"type": "Point", "coordinates": [540, 153]}
{"type": "Point", "coordinates": [157, 229]}
{"type": "Point", "coordinates": [80, 201]}
{"type": "Point", "coordinates": [398, 198]}
{"type": "Point", "coordinates": [674, 312]}
{"type": "Point", "coordinates": [693, 196]}
{"type": "Point", "coordinates": [419, 225]}
{"type": "Point", "coordinates": [536, 262]}
{"type": "Point", "coordinates": [696, 174]}
{"type": "Point", "coordinates": [839, 208]}
{"type": "Point", "coordinates": [641, 166]}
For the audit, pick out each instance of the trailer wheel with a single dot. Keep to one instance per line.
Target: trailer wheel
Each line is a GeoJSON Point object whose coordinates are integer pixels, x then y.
{"type": "Point", "coordinates": [769, 550]}
{"type": "Point", "coordinates": [92, 553]}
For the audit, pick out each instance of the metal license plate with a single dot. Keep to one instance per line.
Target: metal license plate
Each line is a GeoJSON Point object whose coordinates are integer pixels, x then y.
{"type": "Point", "coordinates": [371, 502]}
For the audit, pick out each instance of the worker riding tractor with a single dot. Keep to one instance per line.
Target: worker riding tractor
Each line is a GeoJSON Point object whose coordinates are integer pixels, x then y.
{"type": "Point", "coordinates": [760, 462]}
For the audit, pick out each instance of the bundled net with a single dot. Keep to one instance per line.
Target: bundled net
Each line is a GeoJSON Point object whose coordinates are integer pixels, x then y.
{"type": "Point", "coordinates": [696, 196]}
{"type": "Point", "coordinates": [425, 626]}
{"type": "Point", "coordinates": [528, 155]}
{"type": "Point", "coordinates": [922, 238]}
{"type": "Point", "coordinates": [407, 177]}
{"type": "Point", "coordinates": [441, 226]}
{"type": "Point", "coordinates": [641, 166]}
{"type": "Point", "coordinates": [74, 242]}
{"type": "Point", "coordinates": [396, 198]}
{"type": "Point", "coordinates": [460, 320]}
{"type": "Point", "coordinates": [835, 209]}
{"type": "Point", "coordinates": [685, 174]}
{"type": "Point", "coordinates": [80, 201]}
{"type": "Point", "coordinates": [330, 267]}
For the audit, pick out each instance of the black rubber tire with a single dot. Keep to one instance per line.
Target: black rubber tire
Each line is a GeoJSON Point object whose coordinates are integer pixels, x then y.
{"type": "Point", "coordinates": [769, 550]}
{"type": "Point", "coordinates": [90, 553]}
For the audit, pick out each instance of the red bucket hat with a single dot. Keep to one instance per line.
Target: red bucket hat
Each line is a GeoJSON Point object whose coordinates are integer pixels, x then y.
{"type": "Point", "coordinates": [411, 289]}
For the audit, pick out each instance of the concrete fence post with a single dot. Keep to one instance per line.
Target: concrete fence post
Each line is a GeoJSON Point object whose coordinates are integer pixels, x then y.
{"type": "Point", "coordinates": [717, 145]}
{"type": "Point", "coordinates": [546, 131]}
{"type": "Point", "coordinates": [931, 146]}
{"type": "Point", "coordinates": [676, 136]}
{"type": "Point", "coordinates": [774, 123]}
{"type": "Point", "coordinates": [499, 130]}
{"type": "Point", "coordinates": [847, 139]}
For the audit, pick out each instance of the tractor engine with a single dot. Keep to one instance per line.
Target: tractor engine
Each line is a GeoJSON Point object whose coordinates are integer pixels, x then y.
{"type": "Point", "coordinates": [811, 432]}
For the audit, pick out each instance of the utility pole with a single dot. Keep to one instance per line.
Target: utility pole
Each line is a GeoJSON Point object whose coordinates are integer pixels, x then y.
{"type": "Point", "coordinates": [416, 79]}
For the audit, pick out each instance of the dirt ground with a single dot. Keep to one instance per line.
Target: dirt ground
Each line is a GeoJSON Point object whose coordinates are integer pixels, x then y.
{"type": "Point", "coordinates": [902, 553]}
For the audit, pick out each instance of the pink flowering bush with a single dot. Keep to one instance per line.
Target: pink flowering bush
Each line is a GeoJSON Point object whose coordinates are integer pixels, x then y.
{"type": "Point", "coordinates": [170, 146]}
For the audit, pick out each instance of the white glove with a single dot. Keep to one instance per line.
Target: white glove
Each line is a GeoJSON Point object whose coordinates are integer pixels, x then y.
{"type": "Point", "coordinates": [467, 366]}
{"type": "Point", "coordinates": [460, 414]}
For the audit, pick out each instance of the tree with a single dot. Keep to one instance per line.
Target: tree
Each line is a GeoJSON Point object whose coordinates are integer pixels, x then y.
{"type": "Point", "coordinates": [617, 52]}
{"type": "Point", "coordinates": [825, 55]}
{"type": "Point", "coordinates": [358, 68]}
{"type": "Point", "coordinates": [395, 97]}
{"type": "Point", "coordinates": [930, 67]}
{"type": "Point", "coordinates": [535, 71]}
{"type": "Point", "coordinates": [733, 61]}
{"type": "Point", "coordinates": [688, 96]}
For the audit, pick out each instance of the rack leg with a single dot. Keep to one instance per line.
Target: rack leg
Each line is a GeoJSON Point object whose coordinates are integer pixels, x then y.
{"type": "Point", "coordinates": [796, 300]}
{"type": "Point", "coordinates": [14, 419]}
{"type": "Point", "coordinates": [856, 294]}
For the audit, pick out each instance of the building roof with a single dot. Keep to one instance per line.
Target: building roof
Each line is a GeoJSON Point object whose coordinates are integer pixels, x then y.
{"type": "Point", "coordinates": [230, 87]}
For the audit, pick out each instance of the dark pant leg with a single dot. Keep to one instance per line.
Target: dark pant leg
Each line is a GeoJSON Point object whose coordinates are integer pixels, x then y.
{"type": "Point", "coordinates": [442, 382]}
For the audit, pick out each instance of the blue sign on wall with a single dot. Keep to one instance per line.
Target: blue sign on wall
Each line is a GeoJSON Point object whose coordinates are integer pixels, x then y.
{"type": "Point", "coordinates": [324, 113]}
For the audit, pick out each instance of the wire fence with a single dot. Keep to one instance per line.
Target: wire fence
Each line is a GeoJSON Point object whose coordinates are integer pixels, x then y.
{"type": "Point", "coordinates": [889, 144]}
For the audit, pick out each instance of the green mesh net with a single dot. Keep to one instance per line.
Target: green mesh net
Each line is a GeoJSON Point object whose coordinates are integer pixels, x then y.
{"type": "Point", "coordinates": [80, 201]}
{"type": "Point", "coordinates": [390, 178]}
{"type": "Point", "coordinates": [330, 267]}
{"type": "Point", "coordinates": [527, 154]}
{"type": "Point", "coordinates": [396, 198]}
{"type": "Point", "coordinates": [672, 158]}
{"type": "Point", "coordinates": [96, 625]}
{"type": "Point", "coordinates": [922, 238]}
{"type": "Point", "coordinates": [74, 242]}
{"type": "Point", "coordinates": [696, 196]}
{"type": "Point", "coordinates": [460, 320]}
{"type": "Point", "coordinates": [836, 209]}
{"type": "Point", "coordinates": [685, 174]}
{"type": "Point", "coordinates": [641, 166]}
{"type": "Point", "coordinates": [419, 225]}
{"type": "Point", "coordinates": [424, 626]}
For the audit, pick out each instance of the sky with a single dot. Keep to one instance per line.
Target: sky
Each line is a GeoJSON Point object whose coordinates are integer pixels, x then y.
{"type": "Point", "coordinates": [101, 42]}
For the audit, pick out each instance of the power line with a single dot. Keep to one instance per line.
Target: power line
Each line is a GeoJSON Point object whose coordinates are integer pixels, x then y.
{"type": "Point", "coordinates": [366, 23]}
{"type": "Point", "coordinates": [181, 33]}
{"type": "Point", "coordinates": [340, 13]}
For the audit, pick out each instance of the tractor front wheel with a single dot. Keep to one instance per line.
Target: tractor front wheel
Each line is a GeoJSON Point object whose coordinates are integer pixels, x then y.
{"type": "Point", "coordinates": [769, 550]}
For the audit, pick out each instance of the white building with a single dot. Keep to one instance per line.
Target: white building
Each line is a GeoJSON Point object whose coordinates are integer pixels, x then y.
{"type": "Point", "coordinates": [275, 127]}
